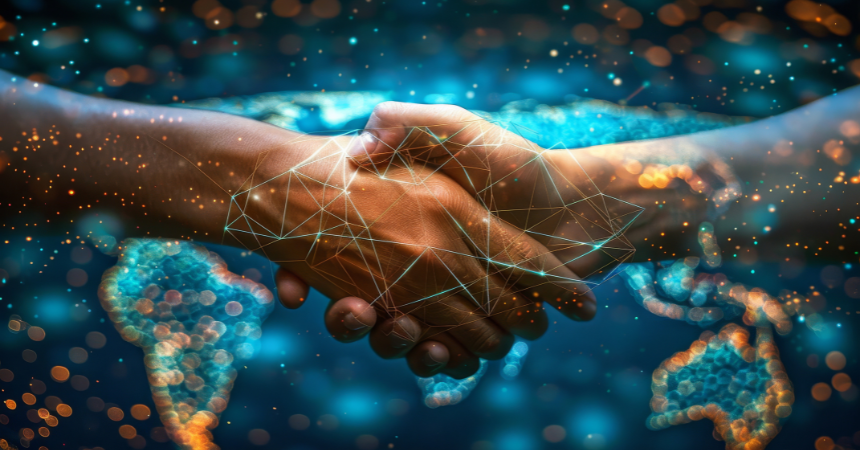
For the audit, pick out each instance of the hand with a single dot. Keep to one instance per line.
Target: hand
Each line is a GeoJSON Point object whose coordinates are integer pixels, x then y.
{"type": "Point", "coordinates": [677, 182]}
{"type": "Point", "coordinates": [447, 277]}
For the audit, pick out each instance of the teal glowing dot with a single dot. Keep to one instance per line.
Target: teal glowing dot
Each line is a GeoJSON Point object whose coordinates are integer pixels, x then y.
{"type": "Point", "coordinates": [35, 43]}
{"type": "Point", "coordinates": [752, 271]}
{"type": "Point", "coordinates": [353, 41]}
{"type": "Point", "coordinates": [565, 7]}
{"type": "Point", "coordinates": [726, 63]}
{"type": "Point", "coordinates": [194, 42]}
{"type": "Point", "coordinates": [86, 40]}
{"type": "Point", "coordinates": [791, 78]}
{"type": "Point", "coordinates": [352, 81]}
{"type": "Point", "coordinates": [611, 76]}
{"type": "Point", "coordinates": [852, 221]}
{"type": "Point", "coordinates": [847, 266]}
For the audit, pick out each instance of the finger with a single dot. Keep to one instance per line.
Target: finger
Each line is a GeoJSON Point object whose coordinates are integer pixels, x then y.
{"type": "Point", "coordinates": [349, 319]}
{"type": "Point", "coordinates": [468, 321]}
{"type": "Point", "coordinates": [395, 337]}
{"type": "Point", "coordinates": [461, 362]}
{"type": "Point", "coordinates": [524, 262]}
{"type": "Point", "coordinates": [428, 358]}
{"type": "Point", "coordinates": [292, 291]}
{"type": "Point", "coordinates": [389, 126]}
{"type": "Point", "coordinates": [520, 315]}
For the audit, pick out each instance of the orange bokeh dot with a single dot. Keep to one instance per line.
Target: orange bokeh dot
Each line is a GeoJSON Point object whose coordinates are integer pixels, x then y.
{"type": "Point", "coordinates": [585, 33]}
{"type": "Point", "coordinates": [838, 24]}
{"type": "Point", "coordinates": [36, 333]}
{"type": "Point", "coordinates": [76, 277]}
{"type": "Point", "coordinates": [841, 382]}
{"type": "Point", "coordinates": [116, 77]}
{"type": "Point", "coordinates": [821, 391]}
{"type": "Point", "coordinates": [115, 414]}
{"type": "Point", "coordinates": [325, 9]}
{"type": "Point", "coordinates": [671, 15]}
{"type": "Point", "coordinates": [59, 374]}
{"type": "Point", "coordinates": [11, 404]}
{"type": "Point", "coordinates": [29, 398]}
{"type": "Point", "coordinates": [140, 412]}
{"type": "Point", "coordinates": [658, 56]}
{"type": "Point", "coordinates": [824, 443]}
{"type": "Point", "coordinates": [127, 431]}
{"type": "Point", "coordinates": [835, 360]}
{"type": "Point", "coordinates": [628, 18]}
{"type": "Point", "coordinates": [64, 410]}
{"type": "Point", "coordinates": [286, 8]}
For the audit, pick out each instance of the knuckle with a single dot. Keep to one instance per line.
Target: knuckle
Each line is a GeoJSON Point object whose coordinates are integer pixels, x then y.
{"type": "Point", "coordinates": [386, 110]}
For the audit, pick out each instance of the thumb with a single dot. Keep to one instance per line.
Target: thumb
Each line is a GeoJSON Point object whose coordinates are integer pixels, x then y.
{"type": "Point", "coordinates": [464, 146]}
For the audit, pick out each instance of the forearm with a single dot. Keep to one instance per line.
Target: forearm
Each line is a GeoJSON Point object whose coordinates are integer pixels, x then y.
{"type": "Point", "coordinates": [169, 172]}
{"type": "Point", "coordinates": [796, 192]}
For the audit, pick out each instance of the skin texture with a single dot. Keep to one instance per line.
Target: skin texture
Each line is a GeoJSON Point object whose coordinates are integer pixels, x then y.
{"type": "Point", "coordinates": [176, 173]}
{"type": "Point", "coordinates": [785, 148]}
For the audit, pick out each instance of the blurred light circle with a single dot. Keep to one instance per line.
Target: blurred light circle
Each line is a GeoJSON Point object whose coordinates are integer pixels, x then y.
{"type": "Point", "coordinates": [554, 433]}
{"type": "Point", "coordinates": [59, 374]}
{"type": "Point", "coordinates": [36, 333]}
{"type": "Point", "coordinates": [286, 8]}
{"type": "Point", "coordinates": [116, 77]}
{"type": "Point", "coordinates": [366, 442]}
{"type": "Point", "coordinates": [95, 404]}
{"type": "Point", "coordinates": [835, 360]}
{"type": "Point", "coordinates": [325, 9]}
{"type": "Point", "coordinates": [127, 431]}
{"type": "Point", "coordinates": [824, 443]}
{"type": "Point", "coordinates": [852, 285]}
{"type": "Point", "coordinates": [585, 33]}
{"type": "Point", "coordinates": [76, 277]}
{"type": "Point", "coordinates": [140, 412]}
{"type": "Point", "coordinates": [841, 382]}
{"type": "Point", "coordinates": [78, 355]}
{"type": "Point", "coordinates": [821, 392]}
{"type": "Point", "coordinates": [258, 436]}
{"type": "Point", "coordinates": [328, 422]}
{"type": "Point", "coordinates": [80, 383]}
{"type": "Point", "coordinates": [95, 340]}
{"type": "Point", "coordinates": [628, 18]}
{"type": "Point", "coordinates": [29, 355]}
{"type": "Point", "coordinates": [299, 422]}
{"type": "Point", "coordinates": [81, 255]}
{"type": "Point", "coordinates": [658, 56]}
{"type": "Point", "coordinates": [671, 14]}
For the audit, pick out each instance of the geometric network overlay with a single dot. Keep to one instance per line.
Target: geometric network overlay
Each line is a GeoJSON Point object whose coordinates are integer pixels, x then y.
{"type": "Point", "coordinates": [327, 214]}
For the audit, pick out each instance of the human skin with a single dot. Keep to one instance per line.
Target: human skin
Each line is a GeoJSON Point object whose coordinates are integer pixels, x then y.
{"type": "Point", "coordinates": [795, 161]}
{"type": "Point", "coordinates": [180, 174]}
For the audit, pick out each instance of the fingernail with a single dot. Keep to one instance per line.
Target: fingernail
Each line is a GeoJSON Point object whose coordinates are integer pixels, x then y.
{"type": "Point", "coordinates": [352, 322]}
{"type": "Point", "coordinates": [362, 145]}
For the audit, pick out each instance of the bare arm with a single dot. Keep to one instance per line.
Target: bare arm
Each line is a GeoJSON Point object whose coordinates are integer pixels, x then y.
{"type": "Point", "coordinates": [170, 172]}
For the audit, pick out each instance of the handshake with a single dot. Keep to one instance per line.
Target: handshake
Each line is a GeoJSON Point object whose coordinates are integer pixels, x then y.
{"type": "Point", "coordinates": [443, 235]}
